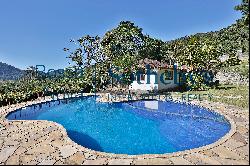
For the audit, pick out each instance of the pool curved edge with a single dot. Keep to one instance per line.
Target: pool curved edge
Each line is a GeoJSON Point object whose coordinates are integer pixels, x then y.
{"type": "Point", "coordinates": [105, 154]}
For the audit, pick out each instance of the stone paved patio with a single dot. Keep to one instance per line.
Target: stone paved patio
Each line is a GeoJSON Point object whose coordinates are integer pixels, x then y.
{"type": "Point", "coordinates": [46, 143]}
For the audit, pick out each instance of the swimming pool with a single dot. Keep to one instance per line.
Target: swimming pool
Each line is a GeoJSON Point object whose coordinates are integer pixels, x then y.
{"type": "Point", "coordinates": [138, 127]}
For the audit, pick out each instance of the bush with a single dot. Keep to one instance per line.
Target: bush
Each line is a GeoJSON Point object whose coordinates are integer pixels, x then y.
{"type": "Point", "coordinates": [196, 81]}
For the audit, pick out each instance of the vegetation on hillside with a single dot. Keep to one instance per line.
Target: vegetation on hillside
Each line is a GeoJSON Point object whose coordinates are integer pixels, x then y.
{"type": "Point", "coordinates": [8, 72]}
{"type": "Point", "coordinates": [121, 48]}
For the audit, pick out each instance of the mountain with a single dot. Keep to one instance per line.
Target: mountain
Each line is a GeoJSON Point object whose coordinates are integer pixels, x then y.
{"type": "Point", "coordinates": [8, 72]}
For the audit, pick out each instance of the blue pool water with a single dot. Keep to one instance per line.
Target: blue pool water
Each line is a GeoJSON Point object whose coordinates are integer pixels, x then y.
{"type": "Point", "coordinates": [139, 127]}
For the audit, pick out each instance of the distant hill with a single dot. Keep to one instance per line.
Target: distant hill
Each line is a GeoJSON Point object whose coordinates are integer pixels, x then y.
{"type": "Point", "coordinates": [8, 72]}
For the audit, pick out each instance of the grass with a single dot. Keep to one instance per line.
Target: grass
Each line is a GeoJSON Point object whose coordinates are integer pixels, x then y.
{"type": "Point", "coordinates": [242, 69]}
{"type": "Point", "coordinates": [237, 95]}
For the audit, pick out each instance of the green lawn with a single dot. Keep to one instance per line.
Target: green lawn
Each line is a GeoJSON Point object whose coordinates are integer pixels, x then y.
{"type": "Point", "coordinates": [237, 95]}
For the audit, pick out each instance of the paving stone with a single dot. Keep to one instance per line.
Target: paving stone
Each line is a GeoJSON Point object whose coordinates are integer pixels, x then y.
{"type": "Point", "coordinates": [1, 143]}
{"type": "Point", "coordinates": [194, 159]}
{"type": "Point", "coordinates": [246, 135]}
{"type": "Point", "coordinates": [67, 151]}
{"type": "Point", "coordinates": [208, 160]}
{"type": "Point", "coordinates": [9, 142]}
{"type": "Point", "coordinates": [208, 153]}
{"type": "Point", "coordinates": [243, 123]}
{"type": "Point", "coordinates": [49, 130]}
{"type": "Point", "coordinates": [226, 153]}
{"type": "Point", "coordinates": [41, 157]}
{"type": "Point", "coordinates": [6, 152]}
{"type": "Point", "coordinates": [36, 136]}
{"type": "Point", "coordinates": [4, 134]}
{"type": "Point", "coordinates": [156, 161]}
{"type": "Point", "coordinates": [28, 143]}
{"type": "Point", "coordinates": [233, 162]}
{"type": "Point", "coordinates": [58, 143]}
{"type": "Point", "coordinates": [59, 162]}
{"type": "Point", "coordinates": [237, 119]}
{"type": "Point", "coordinates": [243, 151]}
{"type": "Point", "coordinates": [13, 160]}
{"type": "Point", "coordinates": [20, 150]}
{"type": "Point", "coordinates": [90, 156]}
{"type": "Point", "coordinates": [232, 144]}
{"type": "Point", "coordinates": [242, 129]}
{"type": "Point", "coordinates": [180, 161]}
{"type": "Point", "coordinates": [76, 159]}
{"type": "Point", "coordinates": [54, 135]}
{"type": "Point", "coordinates": [43, 149]}
{"type": "Point", "coordinates": [48, 161]}
{"type": "Point", "coordinates": [238, 137]}
{"type": "Point", "coordinates": [120, 161]}
{"type": "Point", "coordinates": [43, 141]}
{"type": "Point", "coordinates": [28, 159]}
{"type": "Point", "coordinates": [100, 161]}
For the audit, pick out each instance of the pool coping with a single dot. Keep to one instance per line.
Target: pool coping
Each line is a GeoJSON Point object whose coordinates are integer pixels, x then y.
{"type": "Point", "coordinates": [218, 143]}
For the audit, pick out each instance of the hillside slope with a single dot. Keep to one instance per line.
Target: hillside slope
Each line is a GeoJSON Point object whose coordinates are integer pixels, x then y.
{"type": "Point", "coordinates": [8, 72]}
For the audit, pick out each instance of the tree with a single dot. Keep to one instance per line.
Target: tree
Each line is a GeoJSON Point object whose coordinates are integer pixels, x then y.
{"type": "Point", "coordinates": [153, 48]}
{"type": "Point", "coordinates": [87, 51]}
{"type": "Point", "coordinates": [123, 40]}
{"type": "Point", "coordinates": [244, 8]}
{"type": "Point", "coordinates": [86, 57]}
{"type": "Point", "coordinates": [123, 47]}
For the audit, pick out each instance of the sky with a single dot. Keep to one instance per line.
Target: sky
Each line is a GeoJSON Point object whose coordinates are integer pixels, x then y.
{"type": "Point", "coordinates": [34, 32]}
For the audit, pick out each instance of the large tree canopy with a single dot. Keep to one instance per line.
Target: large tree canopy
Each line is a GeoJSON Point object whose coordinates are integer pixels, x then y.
{"type": "Point", "coordinates": [123, 47]}
{"type": "Point", "coordinates": [126, 39]}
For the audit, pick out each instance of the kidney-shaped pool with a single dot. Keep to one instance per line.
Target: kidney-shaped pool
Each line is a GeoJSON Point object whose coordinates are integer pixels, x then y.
{"type": "Point", "coordinates": [138, 127]}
